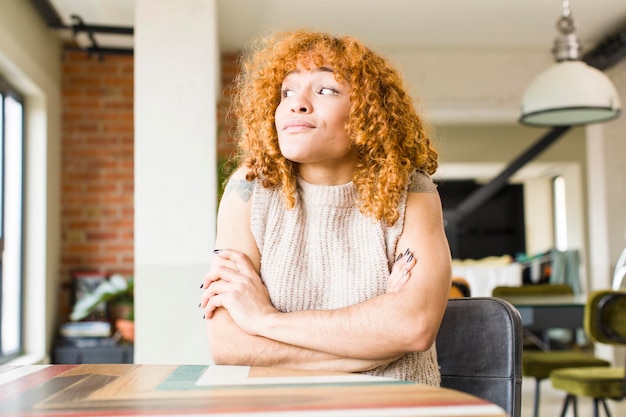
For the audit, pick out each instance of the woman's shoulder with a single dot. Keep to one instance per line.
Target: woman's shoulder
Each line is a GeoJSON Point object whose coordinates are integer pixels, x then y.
{"type": "Point", "coordinates": [421, 182]}
{"type": "Point", "coordinates": [239, 184]}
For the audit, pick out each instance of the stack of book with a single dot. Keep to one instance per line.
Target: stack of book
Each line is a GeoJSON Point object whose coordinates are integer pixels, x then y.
{"type": "Point", "coordinates": [83, 334]}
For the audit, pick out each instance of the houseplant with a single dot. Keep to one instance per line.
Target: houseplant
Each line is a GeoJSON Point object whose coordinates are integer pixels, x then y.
{"type": "Point", "coordinates": [118, 293]}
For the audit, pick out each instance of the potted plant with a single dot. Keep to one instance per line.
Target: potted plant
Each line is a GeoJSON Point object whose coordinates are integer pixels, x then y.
{"type": "Point", "coordinates": [118, 293]}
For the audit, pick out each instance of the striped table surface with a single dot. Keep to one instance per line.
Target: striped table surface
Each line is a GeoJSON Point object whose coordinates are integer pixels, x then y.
{"type": "Point", "coordinates": [198, 390]}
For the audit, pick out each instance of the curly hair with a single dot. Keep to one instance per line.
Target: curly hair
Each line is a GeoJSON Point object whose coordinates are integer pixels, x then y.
{"type": "Point", "coordinates": [389, 137]}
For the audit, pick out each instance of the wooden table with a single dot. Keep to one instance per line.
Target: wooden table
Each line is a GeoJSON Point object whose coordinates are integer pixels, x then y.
{"type": "Point", "coordinates": [194, 390]}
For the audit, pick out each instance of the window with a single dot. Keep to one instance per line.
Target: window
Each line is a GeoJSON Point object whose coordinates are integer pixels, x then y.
{"type": "Point", "coordinates": [11, 223]}
{"type": "Point", "coordinates": [559, 205]}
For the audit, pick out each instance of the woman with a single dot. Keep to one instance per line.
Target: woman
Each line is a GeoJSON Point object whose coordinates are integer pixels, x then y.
{"type": "Point", "coordinates": [331, 248]}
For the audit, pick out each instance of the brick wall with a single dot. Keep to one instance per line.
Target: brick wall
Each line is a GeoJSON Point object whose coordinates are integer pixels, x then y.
{"type": "Point", "coordinates": [225, 125]}
{"type": "Point", "coordinates": [97, 212]}
{"type": "Point", "coordinates": [97, 169]}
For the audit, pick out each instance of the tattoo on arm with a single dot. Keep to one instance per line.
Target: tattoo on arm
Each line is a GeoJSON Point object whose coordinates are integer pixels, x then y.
{"type": "Point", "coordinates": [421, 183]}
{"type": "Point", "coordinates": [420, 188]}
{"type": "Point", "coordinates": [413, 187]}
{"type": "Point", "coordinates": [243, 187]}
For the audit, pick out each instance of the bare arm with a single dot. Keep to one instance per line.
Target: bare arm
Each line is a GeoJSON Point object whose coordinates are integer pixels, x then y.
{"type": "Point", "coordinates": [232, 346]}
{"type": "Point", "coordinates": [229, 344]}
{"type": "Point", "coordinates": [380, 329]}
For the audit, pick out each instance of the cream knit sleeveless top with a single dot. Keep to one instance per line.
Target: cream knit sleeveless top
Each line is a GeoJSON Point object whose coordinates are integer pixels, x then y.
{"type": "Point", "coordinates": [325, 254]}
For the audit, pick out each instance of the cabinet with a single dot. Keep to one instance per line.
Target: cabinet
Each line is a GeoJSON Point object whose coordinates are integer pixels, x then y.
{"type": "Point", "coordinates": [101, 354]}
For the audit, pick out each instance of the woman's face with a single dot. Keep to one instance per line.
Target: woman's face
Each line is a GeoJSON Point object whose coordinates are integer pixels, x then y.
{"type": "Point", "coordinates": [311, 118]}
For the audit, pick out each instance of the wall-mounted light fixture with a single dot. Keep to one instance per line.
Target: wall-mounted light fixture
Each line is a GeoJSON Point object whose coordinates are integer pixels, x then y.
{"type": "Point", "coordinates": [570, 92]}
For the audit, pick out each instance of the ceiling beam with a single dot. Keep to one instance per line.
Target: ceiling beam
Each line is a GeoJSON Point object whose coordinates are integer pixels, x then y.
{"type": "Point", "coordinates": [49, 14]}
{"type": "Point", "coordinates": [608, 52]}
{"type": "Point", "coordinates": [80, 26]}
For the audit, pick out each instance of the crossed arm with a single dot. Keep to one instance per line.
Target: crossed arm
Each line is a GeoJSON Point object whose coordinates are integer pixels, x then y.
{"type": "Point", "coordinates": [244, 327]}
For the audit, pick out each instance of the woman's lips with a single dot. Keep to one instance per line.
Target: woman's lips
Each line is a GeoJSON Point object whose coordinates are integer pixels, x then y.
{"type": "Point", "coordinates": [295, 125]}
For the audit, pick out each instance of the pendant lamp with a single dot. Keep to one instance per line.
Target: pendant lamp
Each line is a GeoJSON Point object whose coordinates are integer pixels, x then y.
{"type": "Point", "coordinates": [570, 92]}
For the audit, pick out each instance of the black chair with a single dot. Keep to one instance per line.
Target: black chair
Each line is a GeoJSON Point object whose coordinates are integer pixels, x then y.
{"type": "Point", "coordinates": [479, 348]}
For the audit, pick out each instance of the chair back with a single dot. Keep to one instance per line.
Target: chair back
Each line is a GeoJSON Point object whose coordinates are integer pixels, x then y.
{"type": "Point", "coordinates": [532, 290]}
{"type": "Point", "coordinates": [479, 349]}
{"type": "Point", "coordinates": [605, 317]}
{"type": "Point", "coordinates": [605, 320]}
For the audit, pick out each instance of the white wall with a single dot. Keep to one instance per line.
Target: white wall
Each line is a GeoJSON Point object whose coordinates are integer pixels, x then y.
{"type": "Point", "coordinates": [176, 67]}
{"type": "Point", "coordinates": [615, 168]}
{"type": "Point", "coordinates": [606, 150]}
{"type": "Point", "coordinates": [30, 61]}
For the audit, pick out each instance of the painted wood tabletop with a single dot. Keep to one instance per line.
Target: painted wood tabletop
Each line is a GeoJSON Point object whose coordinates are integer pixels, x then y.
{"type": "Point", "coordinates": [183, 390]}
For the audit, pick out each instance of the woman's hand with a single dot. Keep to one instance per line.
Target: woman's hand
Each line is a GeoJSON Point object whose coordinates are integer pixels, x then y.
{"type": "Point", "coordinates": [234, 284]}
{"type": "Point", "coordinates": [401, 271]}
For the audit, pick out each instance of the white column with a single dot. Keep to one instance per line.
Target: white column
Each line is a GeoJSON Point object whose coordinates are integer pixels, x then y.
{"type": "Point", "coordinates": [598, 195]}
{"type": "Point", "coordinates": [606, 162]}
{"type": "Point", "coordinates": [606, 159]}
{"type": "Point", "coordinates": [176, 72]}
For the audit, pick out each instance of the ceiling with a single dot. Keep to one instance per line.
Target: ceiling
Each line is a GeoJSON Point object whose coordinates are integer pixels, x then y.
{"type": "Point", "coordinates": [384, 24]}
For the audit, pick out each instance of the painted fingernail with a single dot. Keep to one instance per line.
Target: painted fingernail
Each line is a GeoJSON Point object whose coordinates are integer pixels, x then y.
{"type": "Point", "coordinates": [409, 259]}
{"type": "Point", "coordinates": [399, 256]}
{"type": "Point", "coordinates": [204, 316]}
{"type": "Point", "coordinates": [217, 251]}
{"type": "Point", "coordinates": [408, 250]}
{"type": "Point", "coordinates": [202, 285]}
{"type": "Point", "coordinates": [199, 305]}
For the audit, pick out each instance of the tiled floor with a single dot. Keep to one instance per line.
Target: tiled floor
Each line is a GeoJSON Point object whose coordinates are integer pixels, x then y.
{"type": "Point", "coordinates": [552, 402]}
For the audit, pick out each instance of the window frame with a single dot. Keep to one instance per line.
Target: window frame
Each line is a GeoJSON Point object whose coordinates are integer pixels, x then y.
{"type": "Point", "coordinates": [7, 90]}
{"type": "Point", "coordinates": [559, 212]}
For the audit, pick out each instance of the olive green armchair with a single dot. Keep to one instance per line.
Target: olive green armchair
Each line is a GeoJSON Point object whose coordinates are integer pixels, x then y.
{"type": "Point", "coordinates": [605, 322]}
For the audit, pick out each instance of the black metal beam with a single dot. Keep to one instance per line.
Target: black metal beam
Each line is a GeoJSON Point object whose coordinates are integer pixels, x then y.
{"type": "Point", "coordinates": [102, 51]}
{"type": "Point", "coordinates": [484, 193]}
{"type": "Point", "coordinates": [54, 21]}
{"type": "Point", "coordinates": [80, 26]}
{"type": "Point", "coordinates": [49, 14]}
{"type": "Point", "coordinates": [608, 52]}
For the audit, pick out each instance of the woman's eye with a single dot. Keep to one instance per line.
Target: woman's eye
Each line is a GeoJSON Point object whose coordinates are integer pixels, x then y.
{"type": "Point", "coordinates": [327, 91]}
{"type": "Point", "coordinates": [287, 93]}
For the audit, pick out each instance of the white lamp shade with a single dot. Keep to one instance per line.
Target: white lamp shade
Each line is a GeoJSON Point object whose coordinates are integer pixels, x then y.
{"type": "Point", "coordinates": [569, 93]}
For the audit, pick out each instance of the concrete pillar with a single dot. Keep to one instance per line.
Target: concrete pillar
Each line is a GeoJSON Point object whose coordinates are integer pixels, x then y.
{"type": "Point", "coordinates": [176, 73]}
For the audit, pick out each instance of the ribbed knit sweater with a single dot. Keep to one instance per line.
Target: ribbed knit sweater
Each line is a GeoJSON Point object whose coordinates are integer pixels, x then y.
{"type": "Point", "coordinates": [325, 254]}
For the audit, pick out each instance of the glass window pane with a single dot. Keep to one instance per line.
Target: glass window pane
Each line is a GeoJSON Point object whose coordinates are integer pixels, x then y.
{"type": "Point", "coordinates": [12, 236]}
{"type": "Point", "coordinates": [1, 174]}
{"type": "Point", "coordinates": [560, 213]}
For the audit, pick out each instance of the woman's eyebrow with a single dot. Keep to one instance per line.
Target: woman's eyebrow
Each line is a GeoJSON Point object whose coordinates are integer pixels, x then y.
{"type": "Point", "coordinates": [316, 69]}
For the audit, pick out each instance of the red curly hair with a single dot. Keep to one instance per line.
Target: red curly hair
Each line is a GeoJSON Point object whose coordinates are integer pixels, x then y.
{"type": "Point", "coordinates": [389, 137]}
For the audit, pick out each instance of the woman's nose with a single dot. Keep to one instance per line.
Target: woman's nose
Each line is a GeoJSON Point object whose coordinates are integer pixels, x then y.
{"type": "Point", "coordinates": [301, 104]}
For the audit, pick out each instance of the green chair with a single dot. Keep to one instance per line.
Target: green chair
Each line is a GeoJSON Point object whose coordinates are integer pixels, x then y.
{"type": "Point", "coordinates": [532, 289]}
{"type": "Point", "coordinates": [605, 322]}
{"type": "Point", "coordinates": [539, 364]}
